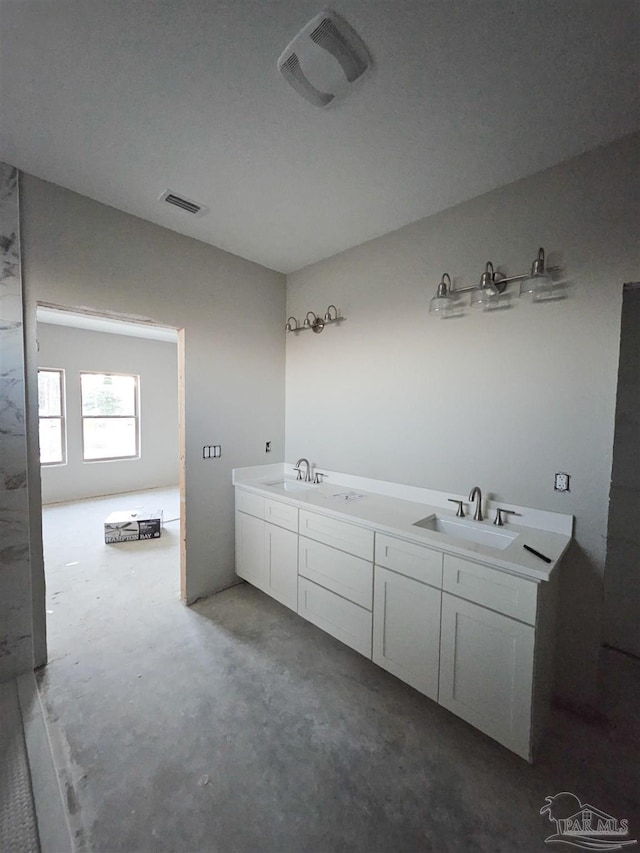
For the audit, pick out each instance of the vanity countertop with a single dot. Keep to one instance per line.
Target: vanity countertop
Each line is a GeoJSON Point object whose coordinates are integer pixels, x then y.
{"type": "Point", "coordinates": [397, 516]}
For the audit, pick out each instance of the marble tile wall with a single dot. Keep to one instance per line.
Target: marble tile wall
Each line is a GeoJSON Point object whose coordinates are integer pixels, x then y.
{"type": "Point", "coordinates": [16, 643]}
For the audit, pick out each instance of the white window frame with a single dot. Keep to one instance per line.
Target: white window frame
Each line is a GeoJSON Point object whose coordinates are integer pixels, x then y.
{"type": "Point", "coordinates": [61, 417]}
{"type": "Point", "coordinates": [135, 416]}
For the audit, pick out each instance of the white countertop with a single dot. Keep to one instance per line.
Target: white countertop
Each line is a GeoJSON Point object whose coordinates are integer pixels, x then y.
{"type": "Point", "coordinates": [397, 516]}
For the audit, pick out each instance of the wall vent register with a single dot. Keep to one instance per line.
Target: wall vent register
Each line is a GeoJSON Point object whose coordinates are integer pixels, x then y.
{"type": "Point", "coordinates": [183, 203]}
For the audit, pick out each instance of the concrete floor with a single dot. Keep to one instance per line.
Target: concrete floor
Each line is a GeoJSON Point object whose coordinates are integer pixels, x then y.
{"type": "Point", "coordinates": [235, 726]}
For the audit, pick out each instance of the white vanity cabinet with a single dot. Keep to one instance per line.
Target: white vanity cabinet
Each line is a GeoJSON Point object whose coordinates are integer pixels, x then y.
{"type": "Point", "coordinates": [406, 612]}
{"type": "Point", "coordinates": [267, 546]}
{"type": "Point", "coordinates": [472, 636]}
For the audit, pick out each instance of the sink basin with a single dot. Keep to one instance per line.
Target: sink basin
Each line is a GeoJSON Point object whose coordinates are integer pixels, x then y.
{"type": "Point", "coordinates": [291, 485]}
{"type": "Point", "coordinates": [468, 531]}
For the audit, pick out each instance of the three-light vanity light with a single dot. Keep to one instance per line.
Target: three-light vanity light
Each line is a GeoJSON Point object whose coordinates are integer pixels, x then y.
{"type": "Point", "coordinates": [486, 294]}
{"type": "Point", "coordinates": [314, 322]}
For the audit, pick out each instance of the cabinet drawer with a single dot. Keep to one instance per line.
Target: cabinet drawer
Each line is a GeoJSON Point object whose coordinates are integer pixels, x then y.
{"type": "Point", "coordinates": [492, 588]}
{"type": "Point", "coordinates": [281, 514]}
{"type": "Point", "coordinates": [407, 558]}
{"type": "Point", "coordinates": [349, 576]}
{"type": "Point", "coordinates": [249, 503]}
{"type": "Point", "coordinates": [343, 620]}
{"type": "Point", "coordinates": [339, 534]}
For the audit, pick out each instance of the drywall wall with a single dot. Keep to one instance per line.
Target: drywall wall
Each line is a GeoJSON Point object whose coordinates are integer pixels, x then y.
{"type": "Point", "coordinates": [156, 365]}
{"type": "Point", "coordinates": [16, 643]}
{"type": "Point", "coordinates": [622, 577]}
{"type": "Point", "coordinates": [502, 399]}
{"type": "Point", "coordinates": [84, 255]}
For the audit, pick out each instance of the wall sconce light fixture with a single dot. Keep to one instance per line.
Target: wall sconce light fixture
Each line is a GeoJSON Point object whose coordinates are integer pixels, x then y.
{"type": "Point", "coordinates": [314, 322]}
{"type": "Point", "coordinates": [486, 294]}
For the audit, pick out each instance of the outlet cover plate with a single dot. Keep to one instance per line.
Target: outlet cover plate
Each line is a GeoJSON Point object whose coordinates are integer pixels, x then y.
{"type": "Point", "coordinates": [561, 482]}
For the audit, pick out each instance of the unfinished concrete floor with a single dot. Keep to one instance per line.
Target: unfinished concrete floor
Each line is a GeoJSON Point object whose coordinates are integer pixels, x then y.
{"type": "Point", "coordinates": [237, 727]}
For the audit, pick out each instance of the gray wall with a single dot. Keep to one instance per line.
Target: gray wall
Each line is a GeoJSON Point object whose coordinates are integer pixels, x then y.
{"type": "Point", "coordinates": [83, 255]}
{"type": "Point", "coordinates": [16, 643]}
{"type": "Point", "coordinates": [503, 399]}
{"type": "Point", "coordinates": [156, 363]}
{"type": "Point", "coordinates": [622, 575]}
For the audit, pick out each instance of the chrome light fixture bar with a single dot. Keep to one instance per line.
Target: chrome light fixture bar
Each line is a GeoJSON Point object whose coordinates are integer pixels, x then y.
{"type": "Point", "coordinates": [314, 322]}
{"type": "Point", "coordinates": [492, 285]}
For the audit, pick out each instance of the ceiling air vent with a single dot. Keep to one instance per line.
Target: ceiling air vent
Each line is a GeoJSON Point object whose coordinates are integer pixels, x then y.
{"type": "Point", "coordinates": [183, 203]}
{"type": "Point", "coordinates": [325, 59]}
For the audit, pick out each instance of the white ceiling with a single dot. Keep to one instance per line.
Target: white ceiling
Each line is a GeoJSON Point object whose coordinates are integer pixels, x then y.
{"type": "Point", "coordinates": [120, 100]}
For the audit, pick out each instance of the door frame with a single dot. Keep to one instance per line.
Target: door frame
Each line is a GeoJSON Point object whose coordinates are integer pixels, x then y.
{"type": "Point", "coordinates": [34, 483]}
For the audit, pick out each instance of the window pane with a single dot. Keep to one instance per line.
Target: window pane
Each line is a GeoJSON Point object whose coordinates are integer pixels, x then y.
{"type": "Point", "coordinates": [49, 399]}
{"type": "Point", "coordinates": [104, 394]}
{"type": "Point", "coordinates": [109, 438]}
{"type": "Point", "coordinates": [50, 441]}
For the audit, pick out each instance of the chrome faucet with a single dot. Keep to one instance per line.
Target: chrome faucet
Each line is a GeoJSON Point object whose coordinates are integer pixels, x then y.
{"type": "Point", "coordinates": [307, 476]}
{"type": "Point", "coordinates": [476, 494]}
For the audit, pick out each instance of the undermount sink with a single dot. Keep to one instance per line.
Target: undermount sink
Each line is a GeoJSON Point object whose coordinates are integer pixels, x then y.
{"type": "Point", "coordinates": [468, 531]}
{"type": "Point", "coordinates": [291, 485]}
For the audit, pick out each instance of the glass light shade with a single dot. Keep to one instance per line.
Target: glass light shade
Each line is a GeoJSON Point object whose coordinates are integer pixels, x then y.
{"type": "Point", "coordinates": [536, 283]}
{"type": "Point", "coordinates": [442, 305]}
{"type": "Point", "coordinates": [481, 298]}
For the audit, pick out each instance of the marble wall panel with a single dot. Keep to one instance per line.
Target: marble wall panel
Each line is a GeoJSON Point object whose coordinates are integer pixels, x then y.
{"type": "Point", "coordinates": [16, 642]}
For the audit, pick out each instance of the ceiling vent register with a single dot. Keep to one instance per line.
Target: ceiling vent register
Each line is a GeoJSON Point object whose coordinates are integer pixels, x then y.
{"type": "Point", "coordinates": [183, 203]}
{"type": "Point", "coordinates": [325, 59]}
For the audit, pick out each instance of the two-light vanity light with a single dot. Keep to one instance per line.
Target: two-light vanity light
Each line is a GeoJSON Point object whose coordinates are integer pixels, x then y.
{"type": "Point", "coordinates": [314, 322]}
{"type": "Point", "coordinates": [486, 294]}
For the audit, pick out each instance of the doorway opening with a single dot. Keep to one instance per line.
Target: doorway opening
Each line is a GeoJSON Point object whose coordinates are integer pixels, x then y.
{"type": "Point", "coordinates": [111, 425]}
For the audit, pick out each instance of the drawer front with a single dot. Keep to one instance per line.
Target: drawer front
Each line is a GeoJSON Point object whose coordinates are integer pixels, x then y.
{"type": "Point", "coordinates": [343, 620]}
{"type": "Point", "coordinates": [339, 534]}
{"type": "Point", "coordinates": [498, 590]}
{"type": "Point", "coordinates": [349, 576]}
{"type": "Point", "coordinates": [249, 503]}
{"type": "Point", "coordinates": [281, 514]}
{"type": "Point", "coordinates": [407, 558]}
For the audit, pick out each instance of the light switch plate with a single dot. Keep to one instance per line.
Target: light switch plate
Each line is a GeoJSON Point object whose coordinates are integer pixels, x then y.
{"type": "Point", "coordinates": [561, 482]}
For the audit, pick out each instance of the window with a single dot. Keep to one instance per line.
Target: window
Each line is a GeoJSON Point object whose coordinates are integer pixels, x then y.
{"type": "Point", "coordinates": [51, 416]}
{"type": "Point", "coordinates": [109, 416]}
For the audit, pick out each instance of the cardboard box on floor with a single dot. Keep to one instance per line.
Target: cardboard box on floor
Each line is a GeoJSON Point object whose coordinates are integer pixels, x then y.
{"type": "Point", "coordinates": [132, 525]}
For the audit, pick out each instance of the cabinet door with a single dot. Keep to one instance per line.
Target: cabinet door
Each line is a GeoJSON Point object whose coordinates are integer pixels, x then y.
{"type": "Point", "coordinates": [281, 555]}
{"type": "Point", "coordinates": [406, 630]}
{"type": "Point", "coordinates": [486, 669]}
{"type": "Point", "coordinates": [250, 551]}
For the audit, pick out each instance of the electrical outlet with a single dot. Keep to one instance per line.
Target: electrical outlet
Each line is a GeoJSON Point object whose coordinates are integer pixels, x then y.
{"type": "Point", "coordinates": [267, 447]}
{"type": "Point", "coordinates": [561, 482]}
